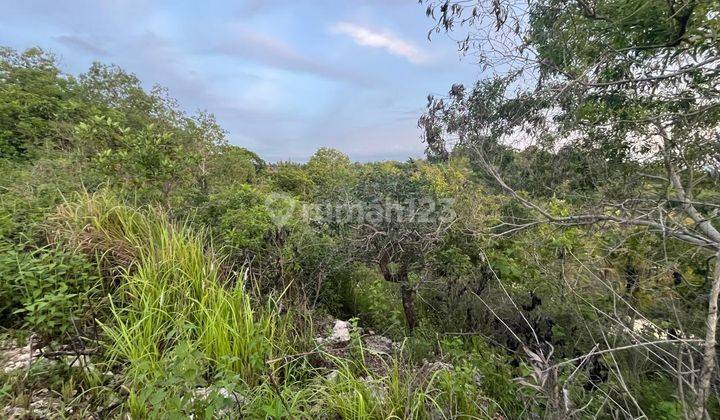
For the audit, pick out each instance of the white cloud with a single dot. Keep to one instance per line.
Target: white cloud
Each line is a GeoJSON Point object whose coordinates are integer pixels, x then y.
{"type": "Point", "coordinates": [371, 38]}
{"type": "Point", "coordinates": [241, 42]}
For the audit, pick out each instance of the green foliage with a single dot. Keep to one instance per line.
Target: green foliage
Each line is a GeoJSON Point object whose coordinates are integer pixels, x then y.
{"type": "Point", "coordinates": [198, 288]}
{"type": "Point", "coordinates": [292, 179]}
{"type": "Point", "coordinates": [373, 300]}
{"type": "Point", "coordinates": [331, 171]}
{"type": "Point", "coordinates": [402, 394]}
{"type": "Point", "coordinates": [174, 290]}
{"type": "Point", "coordinates": [139, 142]}
{"type": "Point", "coordinates": [29, 194]}
{"type": "Point", "coordinates": [49, 291]}
{"type": "Point", "coordinates": [386, 185]}
{"type": "Point", "coordinates": [317, 264]}
{"type": "Point", "coordinates": [181, 388]}
{"type": "Point", "coordinates": [402, 219]}
{"type": "Point", "coordinates": [148, 161]}
{"type": "Point", "coordinates": [231, 165]}
{"type": "Point", "coordinates": [489, 370]}
{"type": "Point", "coordinates": [152, 164]}
{"type": "Point", "coordinates": [33, 103]}
{"type": "Point", "coordinates": [658, 400]}
{"type": "Point", "coordinates": [240, 218]}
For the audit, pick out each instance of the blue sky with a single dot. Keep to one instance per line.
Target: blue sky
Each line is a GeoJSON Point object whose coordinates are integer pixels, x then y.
{"type": "Point", "coordinates": [283, 77]}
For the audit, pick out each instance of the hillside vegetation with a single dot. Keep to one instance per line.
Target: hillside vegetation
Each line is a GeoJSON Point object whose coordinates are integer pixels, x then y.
{"type": "Point", "coordinates": [555, 256]}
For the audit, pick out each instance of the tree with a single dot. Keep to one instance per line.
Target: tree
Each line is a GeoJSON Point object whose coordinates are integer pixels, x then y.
{"type": "Point", "coordinates": [395, 222]}
{"type": "Point", "coordinates": [142, 141]}
{"type": "Point", "coordinates": [331, 170]}
{"type": "Point", "coordinates": [115, 93]}
{"type": "Point", "coordinates": [292, 178]}
{"type": "Point", "coordinates": [233, 165]}
{"type": "Point", "coordinates": [34, 99]}
{"type": "Point", "coordinates": [633, 87]}
{"type": "Point", "coordinates": [149, 164]}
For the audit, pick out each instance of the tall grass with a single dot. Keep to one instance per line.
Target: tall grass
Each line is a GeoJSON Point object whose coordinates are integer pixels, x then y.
{"type": "Point", "coordinates": [172, 290]}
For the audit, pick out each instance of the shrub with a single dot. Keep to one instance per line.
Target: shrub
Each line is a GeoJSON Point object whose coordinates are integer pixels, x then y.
{"type": "Point", "coordinates": [375, 301]}
{"type": "Point", "coordinates": [50, 291]}
{"type": "Point", "coordinates": [29, 193]}
{"type": "Point", "coordinates": [239, 217]}
{"type": "Point", "coordinates": [293, 179]}
{"type": "Point", "coordinates": [182, 390]}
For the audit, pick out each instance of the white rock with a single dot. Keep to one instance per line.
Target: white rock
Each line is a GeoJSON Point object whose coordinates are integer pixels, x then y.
{"type": "Point", "coordinates": [232, 399]}
{"type": "Point", "coordinates": [82, 362]}
{"type": "Point", "coordinates": [15, 358]}
{"type": "Point", "coordinates": [645, 327]}
{"type": "Point", "coordinates": [205, 392]}
{"type": "Point", "coordinates": [437, 366]}
{"type": "Point", "coordinates": [341, 332]}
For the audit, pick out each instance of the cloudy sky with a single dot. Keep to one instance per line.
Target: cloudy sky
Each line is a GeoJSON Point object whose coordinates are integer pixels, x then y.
{"type": "Point", "coordinates": [283, 77]}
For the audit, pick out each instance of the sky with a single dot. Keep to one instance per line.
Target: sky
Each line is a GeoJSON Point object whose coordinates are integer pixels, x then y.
{"type": "Point", "coordinates": [283, 77]}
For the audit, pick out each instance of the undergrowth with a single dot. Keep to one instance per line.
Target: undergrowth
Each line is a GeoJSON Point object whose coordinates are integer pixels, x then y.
{"type": "Point", "coordinates": [174, 290]}
{"type": "Point", "coordinates": [182, 320]}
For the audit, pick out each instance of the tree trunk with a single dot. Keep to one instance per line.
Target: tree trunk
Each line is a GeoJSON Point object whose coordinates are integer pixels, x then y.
{"type": "Point", "coordinates": [407, 292]}
{"type": "Point", "coordinates": [708, 362]}
{"type": "Point", "coordinates": [408, 300]}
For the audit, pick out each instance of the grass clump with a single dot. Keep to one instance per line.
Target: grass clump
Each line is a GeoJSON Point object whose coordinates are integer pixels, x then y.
{"type": "Point", "coordinates": [173, 289]}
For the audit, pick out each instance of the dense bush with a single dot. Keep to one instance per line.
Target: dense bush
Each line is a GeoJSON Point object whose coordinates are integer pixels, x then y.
{"type": "Point", "coordinates": [50, 291]}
